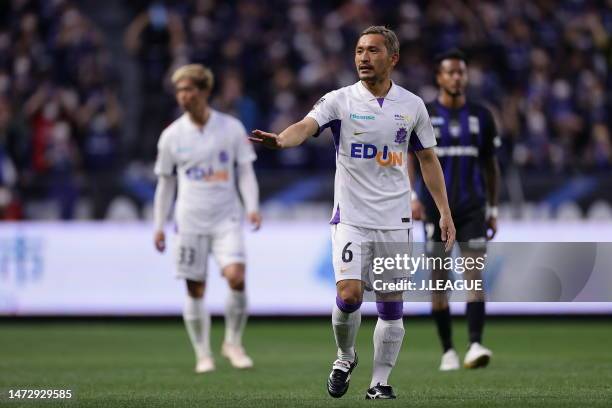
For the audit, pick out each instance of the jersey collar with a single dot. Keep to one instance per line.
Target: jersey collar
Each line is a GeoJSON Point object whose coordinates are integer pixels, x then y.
{"type": "Point", "coordinates": [364, 92]}
{"type": "Point", "coordinates": [193, 127]}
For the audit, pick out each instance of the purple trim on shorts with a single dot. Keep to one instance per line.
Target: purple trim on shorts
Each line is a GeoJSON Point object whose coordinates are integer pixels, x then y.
{"type": "Point", "coordinates": [380, 101]}
{"type": "Point", "coordinates": [390, 310]}
{"type": "Point", "coordinates": [336, 218]}
{"type": "Point", "coordinates": [347, 307]}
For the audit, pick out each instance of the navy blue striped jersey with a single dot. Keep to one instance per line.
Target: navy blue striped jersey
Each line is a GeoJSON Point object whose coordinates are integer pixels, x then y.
{"type": "Point", "coordinates": [465, 137]}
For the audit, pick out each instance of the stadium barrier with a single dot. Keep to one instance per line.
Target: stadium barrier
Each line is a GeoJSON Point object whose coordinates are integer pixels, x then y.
{"type": "Point", "coordinates": [88, 268]}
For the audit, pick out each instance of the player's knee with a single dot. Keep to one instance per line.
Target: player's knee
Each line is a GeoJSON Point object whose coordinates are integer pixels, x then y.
{"type": "Point", "coordinates": [390, 310]}
{"type": "Point", "coordinates": [236, 282]}
{"type": "Point", "coordinates": [472, 273]}
{"type": "Point", "coordinates": [436, 307]}
{"type": "Point", "coordinates": [474, 276]}
{"type": "Point", "coordinates": [476, 296]}
{"type": "Point", "coordinates": [439, 274]}
{"type": "Point", "coordinates": [350, 298]}
{"type": "Point", "coordinates": [350, 295]}
{"type": "Point", "coordinates": [439, 301]}
{"type": "Point", "coordinates": [235, 276]}
{"type": "Point", "coordinates": [195, 289]}
{"type": "Point", "coordinates": [348, 304]}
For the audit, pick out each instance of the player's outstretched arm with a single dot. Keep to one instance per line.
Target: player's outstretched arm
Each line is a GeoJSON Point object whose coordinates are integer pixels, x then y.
{"type": "Point", "coordinates": [293, 136]}
{"type": "Point", "coordinates": [164, 195]}
{"type": "Point", "coordinates": [434, 180]}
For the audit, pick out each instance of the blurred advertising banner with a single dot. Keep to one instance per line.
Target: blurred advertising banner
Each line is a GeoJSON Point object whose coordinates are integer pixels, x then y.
{"type": "Point", "coordinates": [495, 271]}
{"type": "Point", "coordinates": [87, 268]}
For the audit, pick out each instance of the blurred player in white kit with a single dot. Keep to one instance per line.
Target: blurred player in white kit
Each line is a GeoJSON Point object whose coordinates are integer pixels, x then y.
{"type": "Point", "coordinates": [206, 151]}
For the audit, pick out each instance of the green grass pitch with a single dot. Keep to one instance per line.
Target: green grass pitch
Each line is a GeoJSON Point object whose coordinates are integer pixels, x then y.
{"type": "Point", "coordinates": [537, 363]}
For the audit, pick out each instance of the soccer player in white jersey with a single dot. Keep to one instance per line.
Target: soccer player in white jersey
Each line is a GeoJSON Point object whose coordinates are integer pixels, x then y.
{"type": "Point", "coordinates": [206, 151]}
{"type": "Point", "coordinates": [372, 122]}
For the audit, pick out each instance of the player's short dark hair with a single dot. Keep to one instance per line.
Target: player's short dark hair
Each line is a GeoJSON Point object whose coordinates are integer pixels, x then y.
{"type": "Point", "coordinates": [391, 41]}
{"type": "Point", "coordinates": [453, 53]}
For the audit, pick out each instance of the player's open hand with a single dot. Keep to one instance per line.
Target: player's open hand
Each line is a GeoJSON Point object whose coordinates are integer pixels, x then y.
{"type": "Point", "coordinates": [255, 220]}
{"type": "Point", "coordinates": [448, 231]}
{"type": "Point", "coordinates": [418, 211]}
{"type": "Point", "coordinates": [269, 140]}
{"type": "Point", "coordinates": [160, 241]}
{"type": "Point", "coordinates": [491, 227]}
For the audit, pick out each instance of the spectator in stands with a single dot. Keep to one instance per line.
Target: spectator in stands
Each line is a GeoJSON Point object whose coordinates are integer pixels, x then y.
{"type": "Point", "coordinates": [156, 37]}
{"type": "Point", "coordinates": [544, 68]}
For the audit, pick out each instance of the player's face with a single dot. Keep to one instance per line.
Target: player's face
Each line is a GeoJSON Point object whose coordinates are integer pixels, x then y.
{"type": "Point", "coordinates": [372, 58]}
{"type": "Point", "coordinates": [452, 77]}
{"type": "Point", "coordinates": [189, 97]}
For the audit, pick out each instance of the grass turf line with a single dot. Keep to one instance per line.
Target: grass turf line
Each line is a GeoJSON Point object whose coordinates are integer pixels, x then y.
{"type": "Point", "coordinates": [536, 363]}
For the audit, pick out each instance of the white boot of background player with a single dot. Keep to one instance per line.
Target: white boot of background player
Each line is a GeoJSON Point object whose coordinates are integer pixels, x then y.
{"type": "Point", "coordinates": [477, 356]}
{"type": "Point", "coordinates": [450, 361]}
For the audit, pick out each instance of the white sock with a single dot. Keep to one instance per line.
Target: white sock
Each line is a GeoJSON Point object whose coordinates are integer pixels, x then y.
{"type": "Point", "coordinates": [388, 336]}
{"type": "Point", "coordinates": [235, 317]}
{"type": "Point", "coordinates": [197, 323]}
{"type": "Point", "coordinates": [346, 326]}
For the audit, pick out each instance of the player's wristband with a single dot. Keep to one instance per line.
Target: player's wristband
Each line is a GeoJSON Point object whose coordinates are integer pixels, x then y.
{"type": "Point", "coordinates": [413, 195]}
{"type": "Point", "coordinates": [491, 212]}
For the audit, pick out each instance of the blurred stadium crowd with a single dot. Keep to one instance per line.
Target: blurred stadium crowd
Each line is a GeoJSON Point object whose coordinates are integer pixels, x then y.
{"type": "Point", "coordinates": [542, 66]}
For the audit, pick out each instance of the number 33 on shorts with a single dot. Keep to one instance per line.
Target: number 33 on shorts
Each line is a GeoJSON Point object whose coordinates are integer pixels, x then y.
{"type": "Point", "coordinates": [346, 252]}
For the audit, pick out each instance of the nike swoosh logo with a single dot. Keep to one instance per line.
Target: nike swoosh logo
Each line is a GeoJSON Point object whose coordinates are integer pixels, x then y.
{"type": "Point", "coordinates": [358, 133]}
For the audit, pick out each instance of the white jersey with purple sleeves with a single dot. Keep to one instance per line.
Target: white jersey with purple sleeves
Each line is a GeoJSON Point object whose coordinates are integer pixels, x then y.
{"type": "Point", "coordinates": [204, 161]}
{"type": "Point", "coordinates": [371, 136]}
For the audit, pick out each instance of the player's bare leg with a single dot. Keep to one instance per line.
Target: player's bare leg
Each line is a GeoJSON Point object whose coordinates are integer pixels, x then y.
{"type": "Point", "coordinates": [388, 337]}
{"type": "Point", "coordinates": [235, 317]}
{"type": "Point", "coordinates": [477, 355]}
{"type": "Point", "coordinates": [346, 319]}
{"type": "Point", "coordinates": [197, 323]}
